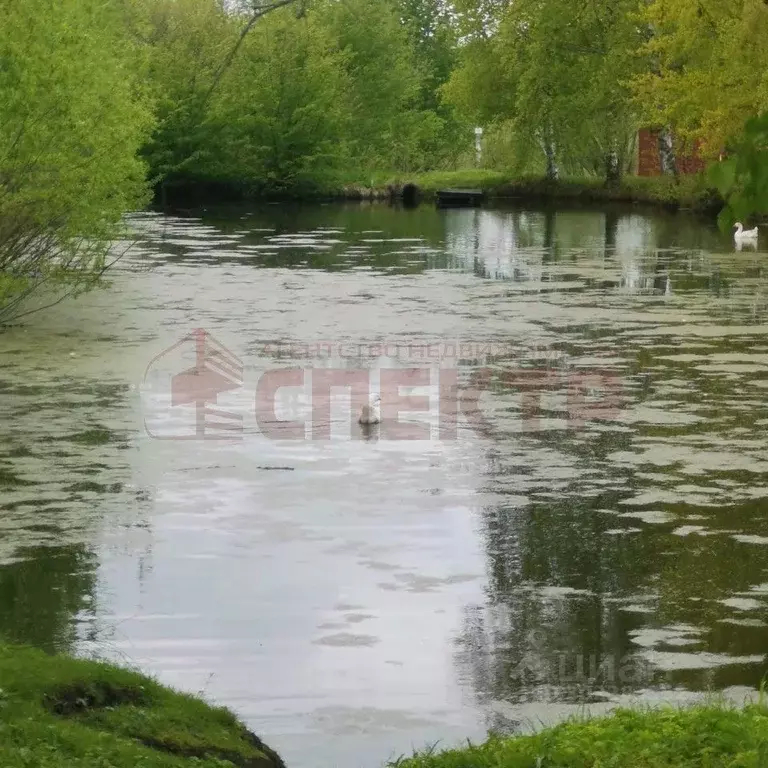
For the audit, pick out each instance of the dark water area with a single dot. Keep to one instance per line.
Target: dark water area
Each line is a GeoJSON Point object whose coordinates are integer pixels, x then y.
{"type": "Point", "coordinates": [593, 533]}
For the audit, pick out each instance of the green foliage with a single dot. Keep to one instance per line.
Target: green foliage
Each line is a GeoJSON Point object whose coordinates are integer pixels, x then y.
{"type": "Point", "coordinates": [309, 99]}
{"type": "Point", "coordinates": [72, 117]}
{"type": "Point", "coordinates": [185, 42]}
{"type": "Point", "coordinates": [704, 68]}
{"type": "Point", "coordinates": [554, 77]}
{"type": "Point", "coordinates": [383, 94]}
{"type": "Point", "coordinates": [279, 118]}
{"type": "Point", "coordinates": [434, 38]}
{"type": "Point", "coordinates": [321, 94]}
{"type": "Point", "coordinates": [479, 88]}
{"type": "Point", "coordinates": [711, 736]}
{"type": "Point", "coordinates": [579, 81]}
{"type": "Point", "coordinates": [705, 75]}
{"type": "Point", "coordinates": [742, 179]}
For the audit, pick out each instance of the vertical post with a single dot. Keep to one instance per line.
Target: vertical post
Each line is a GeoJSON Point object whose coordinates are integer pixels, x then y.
{"type": "Point", "coordinates": [200, 365]}
{"type": "Point", "coordinates": [478, 145]}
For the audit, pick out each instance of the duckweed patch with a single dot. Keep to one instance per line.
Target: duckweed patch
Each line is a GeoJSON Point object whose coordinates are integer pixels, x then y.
{"type": "Point", "coordinates": [95, 436]}
{"type": "Point", "coordinates": [10, 480]}
{"type": "Point", "coordinates": [91, 487]}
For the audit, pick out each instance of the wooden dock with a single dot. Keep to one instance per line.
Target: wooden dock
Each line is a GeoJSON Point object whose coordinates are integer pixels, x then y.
{"type": "Point", "coordinates": [461, 198]}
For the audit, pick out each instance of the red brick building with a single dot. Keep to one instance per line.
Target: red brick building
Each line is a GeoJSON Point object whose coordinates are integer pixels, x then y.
{"type": "Point", "coordinates": [649, 157]}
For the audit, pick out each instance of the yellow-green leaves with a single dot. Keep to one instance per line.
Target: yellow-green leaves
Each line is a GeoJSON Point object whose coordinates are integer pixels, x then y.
{"type": "Point", "coordinates": [705, 68]}
{"type": "Point", "coordinates": [72, 118]}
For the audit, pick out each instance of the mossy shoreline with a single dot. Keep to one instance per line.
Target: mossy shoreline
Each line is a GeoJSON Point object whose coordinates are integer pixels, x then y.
{"type": "Point", "coordinates": [691, 193]}
{"type": "Point", "coordinates": [57, 712]}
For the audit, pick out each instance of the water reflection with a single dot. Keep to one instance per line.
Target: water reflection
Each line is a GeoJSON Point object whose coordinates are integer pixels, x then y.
{"type": "Point", "coordinates": [63, 475]}
{"type": "Point", "coordinates": [43, 591]}
{"type": "Point", "coordinates": [354, 597]}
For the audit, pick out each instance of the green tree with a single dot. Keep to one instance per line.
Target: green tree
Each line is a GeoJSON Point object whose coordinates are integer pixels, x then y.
{"type": "Point", "coordinates": [706, 65]}
{"type": "Point", "coordinates": [279, 119]}
{"type": "Point", "coordinates": [479, 18]}
{"type": "Point", "coordinates": [742, 178]}
{"type": "Point", "coordinates": [388, 128]}
{"type": "Point", "coordinates": [72, 117]}
{"type": "Point", "coordinates": [434, 37]}
{"type": "Point", "coordinates": [185, 42]}
{"type": "Point", "coordinates": [554, 73]}
{"type": "Point", "coordinates": [192, 47]}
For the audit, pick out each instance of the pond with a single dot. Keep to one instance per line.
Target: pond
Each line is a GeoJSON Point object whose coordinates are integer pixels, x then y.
{"type": "Point", "coordinates": [568, 509]}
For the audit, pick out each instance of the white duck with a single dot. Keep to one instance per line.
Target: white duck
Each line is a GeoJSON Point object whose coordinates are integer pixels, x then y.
{"type": "Point", "coordinates": [741, 234]}
{"type": "Point", "coordinates": [371, 413]}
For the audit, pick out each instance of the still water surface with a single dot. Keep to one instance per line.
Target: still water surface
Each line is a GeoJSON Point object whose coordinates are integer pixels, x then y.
{"type": "Point", "coordinates": [354, 598]}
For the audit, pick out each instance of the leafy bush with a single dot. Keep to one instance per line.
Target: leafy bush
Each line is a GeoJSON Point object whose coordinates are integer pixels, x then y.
{"type": "Point", "coordinates": [72, 118]}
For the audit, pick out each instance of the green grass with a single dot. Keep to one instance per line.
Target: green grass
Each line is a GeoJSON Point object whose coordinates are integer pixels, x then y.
{"type": "Point", "coordinates": [430, 182]}
{"type": "Point", "coordinates": [689, 192]}
{"type": "Point", "coordinates": [61, 712]}
{"type": "Point", "coordinates": [700, 737]}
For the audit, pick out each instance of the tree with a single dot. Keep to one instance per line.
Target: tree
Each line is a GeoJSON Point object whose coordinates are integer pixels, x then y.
{"type": "Point", "coordinates": [433, 35]}
{"type": "Point", "coordinates": [73, 115]}
{"type": "Point", "coordinates": [279, 120]}
{"type": "Point", "coordinates": [388, 128]}
{"type": "Point", "coordinates": [706, 64]}
{"type": "Point", "coordinates": [742, 179]}
{"type": "Point", "coordinates": [192, 46]}
{"type": "Point", "coordinates": [479, 18]}
{"type": "Point", "coordinates": [569, 63]}
{"type": "Point", "coordinates": [554, 73]}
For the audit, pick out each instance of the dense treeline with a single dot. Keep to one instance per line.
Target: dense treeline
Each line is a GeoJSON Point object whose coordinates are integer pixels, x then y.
{"type": "Point", "coordinates": [103, 101]}
{"type": "Point", "coordinates": [317, 94]}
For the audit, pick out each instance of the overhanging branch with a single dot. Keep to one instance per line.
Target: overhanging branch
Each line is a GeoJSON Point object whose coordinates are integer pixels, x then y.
{"type": "Point", "coordinates": [259, 10]}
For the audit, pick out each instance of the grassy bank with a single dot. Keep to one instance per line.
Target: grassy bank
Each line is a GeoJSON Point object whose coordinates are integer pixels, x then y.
{"type": "Point", "coordinates": [687, 192]}
{"type": "Point", "coordinates": [58, 712]}
{"type": "Point", "coordinates": [700, 737]}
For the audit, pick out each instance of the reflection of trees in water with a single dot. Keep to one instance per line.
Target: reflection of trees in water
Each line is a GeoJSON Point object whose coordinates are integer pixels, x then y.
{"type": "Point", "coordinates": [719, 285]}
{"type": "Point", "coordinates": [554, 627]}
{"type": "Point", "coordinates": [648, 273]}
{"type": "Point", "coordinates": [68, 473]}
{"type": "Point", "coordinates": [549, 236]}
{"type": "Point", "coordinates": [550, 629]}
{"type": "Point", "coordinates": [611, 230]}
{"type": "Point", "coordinates": [42, 592]}
{"type": "Point", "coordinates": [497, 245]}
{"type": "Point", "coordinates": [559, 580]}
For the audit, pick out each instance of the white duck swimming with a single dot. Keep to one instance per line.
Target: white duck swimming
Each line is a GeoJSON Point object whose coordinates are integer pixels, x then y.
{"type": "Point", "coordinates": [741, 234]}
{"type": "Point", "coordinates": [371, 413]}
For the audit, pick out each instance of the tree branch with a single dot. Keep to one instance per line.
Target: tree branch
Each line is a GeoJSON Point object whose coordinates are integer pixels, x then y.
{"type": "Point", "coordinates": [258, 12]}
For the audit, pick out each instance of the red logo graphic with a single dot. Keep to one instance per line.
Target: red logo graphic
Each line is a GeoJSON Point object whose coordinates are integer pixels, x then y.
{"type": "Point", "coordinates": [197, 380]}
{"type": "Point", "coordinates": [215, 371]}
